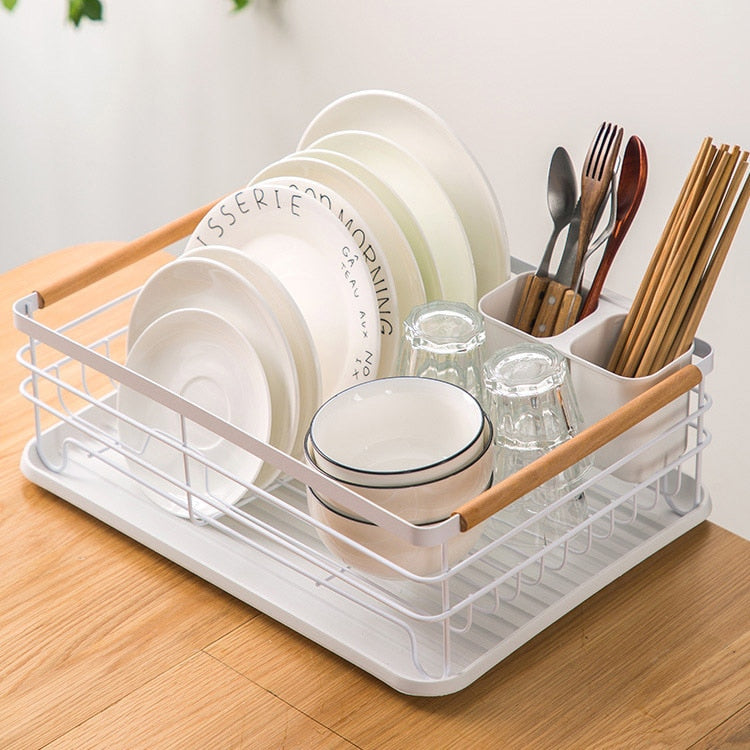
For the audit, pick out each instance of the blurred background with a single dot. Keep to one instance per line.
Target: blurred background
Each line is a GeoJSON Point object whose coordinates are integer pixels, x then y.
{"type": "Point", "coordinates": [112, 129]}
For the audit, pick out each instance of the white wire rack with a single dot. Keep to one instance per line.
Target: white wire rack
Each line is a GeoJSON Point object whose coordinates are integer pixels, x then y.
{"type": "Point", "coordinates": [423, 635]}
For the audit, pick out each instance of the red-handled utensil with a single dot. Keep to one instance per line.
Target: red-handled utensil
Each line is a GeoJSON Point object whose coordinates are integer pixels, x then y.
{"type": "Point", "coordinates": [630, 189]}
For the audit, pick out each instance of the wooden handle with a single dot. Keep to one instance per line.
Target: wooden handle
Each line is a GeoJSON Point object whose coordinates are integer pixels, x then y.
{"type": "Point", "coordinates": [571, 304]}
{"type": "Point", "coordinates": [531, 299]}
{"type": "Point", "coordinates": [578, 447]}
{"type": "Point", "coordinates": [544, 324]}
{"type": "Point", "coordinates": [120, 256]}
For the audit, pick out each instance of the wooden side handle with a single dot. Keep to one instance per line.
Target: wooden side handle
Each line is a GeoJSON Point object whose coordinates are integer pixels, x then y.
{"type": "Point", "coordinates": [578, 447]}
{"type": "Point", "coordinates": [120, 256]}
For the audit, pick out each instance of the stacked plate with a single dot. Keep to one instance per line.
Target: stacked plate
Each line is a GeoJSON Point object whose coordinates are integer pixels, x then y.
{"type": "Point", "coordinates": [295, 287]}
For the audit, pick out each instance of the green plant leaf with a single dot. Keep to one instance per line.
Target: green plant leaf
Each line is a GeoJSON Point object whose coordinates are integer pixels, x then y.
{"type": "Point", "coordinates": [93, 10]}
{"type": "Point", "coordinates": [79, 9]}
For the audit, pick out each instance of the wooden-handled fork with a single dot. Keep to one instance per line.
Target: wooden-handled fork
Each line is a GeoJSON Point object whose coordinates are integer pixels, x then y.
{"type": "Point", "coordinates": [597, 175]}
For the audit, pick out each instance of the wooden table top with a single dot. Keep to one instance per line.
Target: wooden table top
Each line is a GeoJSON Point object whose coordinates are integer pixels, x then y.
{"type": "Point", "coordinates": [104, 644]}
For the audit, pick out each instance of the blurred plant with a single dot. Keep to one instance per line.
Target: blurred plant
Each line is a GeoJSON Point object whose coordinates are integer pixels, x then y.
{"type": "Point", "coordinates": [92, 9]}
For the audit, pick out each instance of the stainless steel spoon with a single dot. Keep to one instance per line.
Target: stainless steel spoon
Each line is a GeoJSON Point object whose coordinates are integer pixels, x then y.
{"type": "Point", "coordinates": [562, 196]}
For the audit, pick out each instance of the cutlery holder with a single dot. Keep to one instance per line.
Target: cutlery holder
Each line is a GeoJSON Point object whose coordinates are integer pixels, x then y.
{"type": "Point", "coordinates": [587, 345]}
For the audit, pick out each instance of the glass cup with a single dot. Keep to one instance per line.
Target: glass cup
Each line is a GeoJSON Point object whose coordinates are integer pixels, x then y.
{"type": "Point", "coordinates": [533, 408]}
{"type": "Point", "coordinates": [444, 340]}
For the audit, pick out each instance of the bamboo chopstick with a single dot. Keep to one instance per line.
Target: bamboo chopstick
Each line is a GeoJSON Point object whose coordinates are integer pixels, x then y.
{"type": "Point", "coordinates": [674, 292]}
{"type": "Point", "coordinates": [673, 334]}
{"type": "Point", "coordinates": [687, 267]}
{"type": "Point", "coordinates": [699, 302]}
{"type": "Point", "coordinates": [679, 262]}
{"type": "Point", "coordinates": [664, 277]}
{"type": "Point", "coordinates": [658, 259]}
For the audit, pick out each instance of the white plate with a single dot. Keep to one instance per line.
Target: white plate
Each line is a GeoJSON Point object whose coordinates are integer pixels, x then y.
{"type": "Point", "coordinates": [368, 242]}
{"type": "Point", "coordinates": [394, 244]}
{"type": "Point", "coordinates": [310, 251]}
{"type": "Point", "coordinates": [209, 362]}
{"type": "Point", "coordinates": [429, 203]}
{"type": "Point", "coordinates": [208, 285]}
{"type": "Point", "coordinates": [395, 206]}
{"type": "Point", "coordinates": [289, 316]}
{"type": "Point", "coordinates": [423, 133]}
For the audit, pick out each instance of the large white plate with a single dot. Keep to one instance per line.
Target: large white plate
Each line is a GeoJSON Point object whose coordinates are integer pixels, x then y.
{"type": "Point", "coordinates": [397, 209]}
{"type": "Point", "coordinates": [209, 362]}
{"type": "Point", "coordinates": [289, 316]}
{"type": "Point", "coordinates": [386, 294]}
{"type": "Point", "coordinates": [366, 240]}
{"type": "Point", "coordinates": [393, 243]}
{"type": "Point", "coordinates": [423, 133]}
{"type": "Point", "coordinates": [428, 201]}
{"type": "Point", "coordinates": [310, 251]}
{"type": "Point", "coordinates": [208, 285]}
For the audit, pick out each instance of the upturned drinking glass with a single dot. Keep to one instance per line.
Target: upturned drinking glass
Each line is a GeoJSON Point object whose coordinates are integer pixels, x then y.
{"type": "Point", "coordinates": [444, 340]}
{"type": "Point", "coordinates": [533, 408]}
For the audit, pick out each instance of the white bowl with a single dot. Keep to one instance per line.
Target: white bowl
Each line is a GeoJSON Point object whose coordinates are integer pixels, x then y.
{"type": "Point", "coordinates": [428, 500]}
{"type": "Point", "coordinates": [421, 561]}
{"type": "Point", "coordinates": [403, 478]}
{"type": "Point", "coordinates": [398, 425]}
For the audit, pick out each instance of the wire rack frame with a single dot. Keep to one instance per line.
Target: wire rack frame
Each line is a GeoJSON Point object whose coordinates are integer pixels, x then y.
{"type": "Point", "coordinates": [456, 602]}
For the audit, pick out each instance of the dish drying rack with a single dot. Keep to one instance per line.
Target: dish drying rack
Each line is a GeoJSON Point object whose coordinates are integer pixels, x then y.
{"type": "Point", "coordinates": [422, 635]}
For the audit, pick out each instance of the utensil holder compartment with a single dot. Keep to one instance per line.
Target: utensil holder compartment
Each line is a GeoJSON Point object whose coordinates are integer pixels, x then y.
{"type": "Point", "coordinates": [421, 634]}
{"type": "Point", "coordinates": [587, 345]}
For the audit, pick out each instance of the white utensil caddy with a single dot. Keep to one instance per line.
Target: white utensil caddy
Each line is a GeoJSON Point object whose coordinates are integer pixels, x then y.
{"type": "Point", "coordinates": [421, 635]}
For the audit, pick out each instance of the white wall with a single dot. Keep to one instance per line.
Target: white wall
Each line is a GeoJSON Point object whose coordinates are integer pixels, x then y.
{"type": "Point", "coordinates": [115, 128]}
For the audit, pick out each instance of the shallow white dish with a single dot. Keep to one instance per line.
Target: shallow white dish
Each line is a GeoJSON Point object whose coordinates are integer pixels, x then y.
{"type": "Point", "coordinates": [289, 316]}
{"type": "Point", "coordinates": [373, 250]}
{"type": "Point", "coordinates": [312, 254]}
{"type": "Point", "coordinates": [209, 362]}
{"type": "Point", "coordinates": [397, 208]}
{"type": "Point", "coordinates": [209, 285]}
{"type": "Point", "coordinates": [427, 200]}
{"type": "Point", "coordinates": [426, 135]}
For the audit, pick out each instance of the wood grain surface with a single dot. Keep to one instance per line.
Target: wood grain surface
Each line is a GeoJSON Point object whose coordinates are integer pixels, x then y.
{"type": "Point", "coordinates": [104, 644]}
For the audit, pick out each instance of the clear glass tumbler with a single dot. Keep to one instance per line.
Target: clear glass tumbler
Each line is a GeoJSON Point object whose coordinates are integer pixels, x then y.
{"type": "Point", "coordinates": [444, 340]}
{"type": "Point", "coordinates": [533, 408]}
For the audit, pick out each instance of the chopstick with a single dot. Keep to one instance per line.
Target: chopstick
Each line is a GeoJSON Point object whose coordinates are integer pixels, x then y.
{"type": "Point", "coordinates": [669, 347]}
{"type": "Point", "coordinates": [698, 304]}
{"type": "Point", "coordinates": [634, 319]}
{"type": "Point", "coordinates": [685, 265]}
